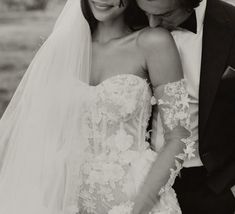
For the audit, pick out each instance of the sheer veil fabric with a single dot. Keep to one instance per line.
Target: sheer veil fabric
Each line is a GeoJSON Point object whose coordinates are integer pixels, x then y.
{"type": "Point", "coordinates": [40, 127]}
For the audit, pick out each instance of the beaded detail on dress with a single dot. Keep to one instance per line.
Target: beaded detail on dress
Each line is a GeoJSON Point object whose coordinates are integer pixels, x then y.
{"type": "Point", "coordinates": [117, 156]}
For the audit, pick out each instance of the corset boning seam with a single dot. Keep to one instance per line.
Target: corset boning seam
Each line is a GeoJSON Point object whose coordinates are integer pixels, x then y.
{"type": "Point", "coordinates": [141, 131]}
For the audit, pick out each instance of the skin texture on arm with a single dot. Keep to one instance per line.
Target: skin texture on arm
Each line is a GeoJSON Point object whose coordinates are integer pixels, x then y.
{"type": "Point", "coordinates": [161, 56]}
{"type": "Point", "coordinates": [164, 66]}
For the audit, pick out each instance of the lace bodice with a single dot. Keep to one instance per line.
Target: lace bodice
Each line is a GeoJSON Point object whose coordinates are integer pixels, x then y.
{"type": "Point", "coordinates": [119, 108]}
{"type": "Point", "coordinates": [117, 155]}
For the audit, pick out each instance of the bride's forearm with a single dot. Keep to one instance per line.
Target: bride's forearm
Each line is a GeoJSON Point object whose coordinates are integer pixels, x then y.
{"type": "Point", "coordinates": [157, 177]}
{"type": "Point", "coordinates": [160, 172]}
{"type": "Point", "coordinates": [173, 108]}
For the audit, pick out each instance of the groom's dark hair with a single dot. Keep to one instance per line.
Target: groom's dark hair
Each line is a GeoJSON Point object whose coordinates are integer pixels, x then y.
{"type": "Point", "coordinates": [189, 4]}
{"type": "Point", "coordinates": [134, 17]}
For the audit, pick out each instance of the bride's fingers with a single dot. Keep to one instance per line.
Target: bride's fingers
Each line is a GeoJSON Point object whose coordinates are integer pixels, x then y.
{"type": "Point", "coordinates": [143, 206]}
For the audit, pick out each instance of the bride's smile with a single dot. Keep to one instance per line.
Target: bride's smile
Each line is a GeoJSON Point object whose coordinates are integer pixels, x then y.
{"type": "Point", "coordinates": [107, 10]}
{"type": "Point", "coordinates": [102, 5]}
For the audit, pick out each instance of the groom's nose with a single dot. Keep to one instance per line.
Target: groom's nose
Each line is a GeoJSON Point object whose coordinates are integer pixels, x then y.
{"type": "Point", "coordinates": [154, 20]}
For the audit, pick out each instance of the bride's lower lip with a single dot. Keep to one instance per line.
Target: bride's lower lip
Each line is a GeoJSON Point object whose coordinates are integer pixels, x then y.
{"type": "Point", "coordinates": [101, 6]}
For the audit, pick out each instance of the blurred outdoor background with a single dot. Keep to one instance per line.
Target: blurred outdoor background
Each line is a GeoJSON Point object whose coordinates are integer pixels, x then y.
{"type": "Point", "coordinates": [24, 25]}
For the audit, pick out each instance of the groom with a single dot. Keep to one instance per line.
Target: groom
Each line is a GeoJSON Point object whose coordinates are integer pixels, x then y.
{"type": "Point", "coordinates": [204, 32]}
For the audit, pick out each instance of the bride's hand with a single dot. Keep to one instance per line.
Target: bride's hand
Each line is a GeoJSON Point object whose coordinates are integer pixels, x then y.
{"type": "Point", "coordinates": [143, 204]}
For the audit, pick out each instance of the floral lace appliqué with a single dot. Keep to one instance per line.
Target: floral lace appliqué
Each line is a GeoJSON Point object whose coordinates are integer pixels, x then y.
{"type": "Point", "coordinates": [174, 104]}
{"type": "Point", "coordinates": [117, 157]}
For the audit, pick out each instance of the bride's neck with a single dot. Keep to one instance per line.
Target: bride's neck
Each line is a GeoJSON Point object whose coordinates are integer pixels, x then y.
{"type": "Point", "coordinates": [110, 30]}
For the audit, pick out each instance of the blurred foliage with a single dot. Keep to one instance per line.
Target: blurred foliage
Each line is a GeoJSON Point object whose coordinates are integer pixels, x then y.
{"type": "Point", "coordinates": [21, 35]}
{"type": "Point", "coordinates": [26, 4]}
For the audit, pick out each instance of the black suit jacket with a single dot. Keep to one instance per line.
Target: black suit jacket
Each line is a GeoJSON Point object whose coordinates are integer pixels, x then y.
{"type": "Point", "coordinates": [217, 96]}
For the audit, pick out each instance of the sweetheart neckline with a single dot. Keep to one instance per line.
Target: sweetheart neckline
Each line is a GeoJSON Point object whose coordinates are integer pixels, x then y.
{"type": "Point", "coordinates": [116, 76]}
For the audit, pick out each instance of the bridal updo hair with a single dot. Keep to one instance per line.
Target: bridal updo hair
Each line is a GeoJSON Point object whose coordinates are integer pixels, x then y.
{"type": "Point", "coordinates": [190, 4]}
{"type": "Point", "coordinates": [134, 17]}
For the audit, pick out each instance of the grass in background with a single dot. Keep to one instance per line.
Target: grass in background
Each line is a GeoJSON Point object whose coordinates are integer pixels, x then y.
{"type": "Point", "coordinates": [21, 35]}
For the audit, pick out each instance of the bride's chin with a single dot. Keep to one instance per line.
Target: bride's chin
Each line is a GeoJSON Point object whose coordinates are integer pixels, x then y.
{"type": "Point", "coordinates": [104, 17]}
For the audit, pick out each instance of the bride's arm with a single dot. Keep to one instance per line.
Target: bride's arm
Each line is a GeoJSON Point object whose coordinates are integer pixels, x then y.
{"type": "Point", "coordinates": [165, 71]}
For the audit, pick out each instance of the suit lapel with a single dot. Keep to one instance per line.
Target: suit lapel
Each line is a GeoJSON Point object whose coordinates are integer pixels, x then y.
{"type": "Point", "coordinates": [217, 39]}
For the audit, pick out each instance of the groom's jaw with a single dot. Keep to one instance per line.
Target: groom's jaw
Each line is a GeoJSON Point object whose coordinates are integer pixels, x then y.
{"type": "Point", "coordinates": [164, 13]}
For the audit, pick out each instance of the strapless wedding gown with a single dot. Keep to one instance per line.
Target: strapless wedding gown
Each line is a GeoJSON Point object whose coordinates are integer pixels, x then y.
{"type": "Point", "coordinates": [117, 156]}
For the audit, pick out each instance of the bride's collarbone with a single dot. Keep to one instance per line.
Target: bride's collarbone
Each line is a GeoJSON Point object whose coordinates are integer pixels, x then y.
{"type": "Point", "coordinates": [115, 47]}
{"type": "Point", "coordinates": [102, 74]}
{"type": "Point", "coordinates": [122, 56]}
{"type": "Point", "coordinates": [113, 64]}
{"type": "Point", "coordinates": [117, 57]}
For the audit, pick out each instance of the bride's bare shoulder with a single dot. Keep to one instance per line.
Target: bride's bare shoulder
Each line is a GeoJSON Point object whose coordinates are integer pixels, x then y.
{"type": "Point", "coordinates": [152, 39]}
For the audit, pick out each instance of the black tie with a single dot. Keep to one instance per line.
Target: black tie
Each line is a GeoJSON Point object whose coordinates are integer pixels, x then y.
{"type": "Point", "coordinates": [190, 23]}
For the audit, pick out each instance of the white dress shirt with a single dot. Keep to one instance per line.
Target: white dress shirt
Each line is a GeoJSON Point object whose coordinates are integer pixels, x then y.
{"type": "Point", "coordinates": [190, 49]}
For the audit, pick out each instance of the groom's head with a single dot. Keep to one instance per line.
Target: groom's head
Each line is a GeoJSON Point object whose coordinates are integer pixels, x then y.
{"type": "Point", "coordinates": [167, 13]}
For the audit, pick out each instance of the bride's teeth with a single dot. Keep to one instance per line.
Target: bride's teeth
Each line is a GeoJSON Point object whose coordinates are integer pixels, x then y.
{"type": "Point", "coordinates": [102, 6]}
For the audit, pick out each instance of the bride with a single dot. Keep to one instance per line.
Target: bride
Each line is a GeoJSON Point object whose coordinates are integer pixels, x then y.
{"type": "Point", "coordinates": [73, 139]}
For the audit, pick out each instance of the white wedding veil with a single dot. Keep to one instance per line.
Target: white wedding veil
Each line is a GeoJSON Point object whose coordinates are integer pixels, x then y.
{"type": "Point", "coordinates": [41, 123]}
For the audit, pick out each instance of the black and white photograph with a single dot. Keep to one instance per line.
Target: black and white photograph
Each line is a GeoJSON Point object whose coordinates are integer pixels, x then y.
{"type": "Point", "coordinates": [117, 106]}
